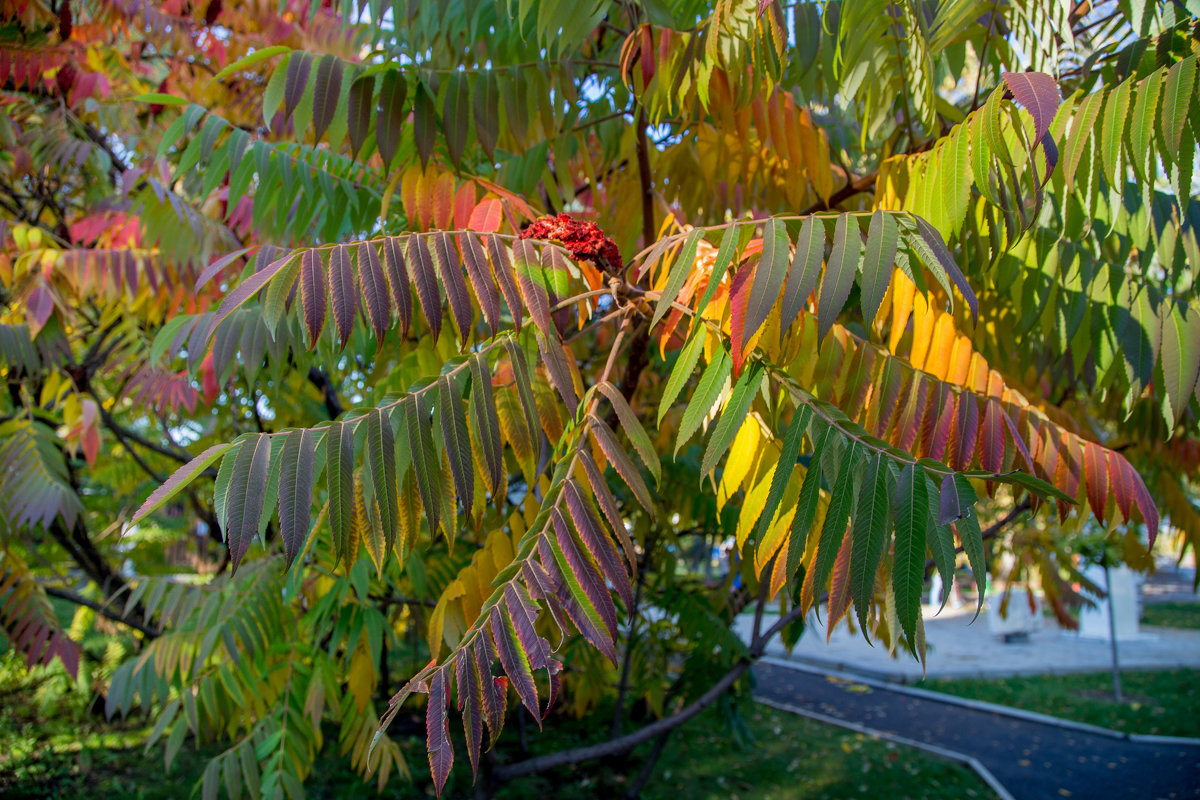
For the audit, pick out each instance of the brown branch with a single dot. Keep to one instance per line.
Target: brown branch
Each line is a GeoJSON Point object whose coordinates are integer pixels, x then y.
{"type": "Point", "coordinates": [626, 743]}
{"type": "Point", "coordinates": [623, 744]}
{"type": "Point", "coordinates": [123, 433]}
{"type": "Point", "coordinates": [320, 379]}
{"type": "Point", "coordinates": [992, 530]}
{"type": "Point", "coordinates": [105, 611]}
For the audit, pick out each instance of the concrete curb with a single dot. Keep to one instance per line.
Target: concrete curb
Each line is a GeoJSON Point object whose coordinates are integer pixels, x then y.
{"type": "Point", "coordinates": [979, 705]}
{"type": "Point", "coordinates": [901, 678]}
{"type": "Point", "coordinates": [950, 755]}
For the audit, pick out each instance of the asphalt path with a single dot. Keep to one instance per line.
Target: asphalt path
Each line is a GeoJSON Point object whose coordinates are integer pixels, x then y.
{"type": "Point", "coordinates": [1032, 760]}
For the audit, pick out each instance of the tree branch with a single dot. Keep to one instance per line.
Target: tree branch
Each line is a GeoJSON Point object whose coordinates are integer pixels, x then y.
{"type": "Point", "coordinates": [991, 530]}
{"type": "Point", "coordinates": [320, 379]}
{"type": "Point", "coordinates": [105, 611]}
{"type": "Point", "coordinates": [626, 743]}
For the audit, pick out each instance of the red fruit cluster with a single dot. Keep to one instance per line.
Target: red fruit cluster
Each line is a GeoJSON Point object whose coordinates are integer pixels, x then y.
{"type": "Point", "coordinates": [584, 240]}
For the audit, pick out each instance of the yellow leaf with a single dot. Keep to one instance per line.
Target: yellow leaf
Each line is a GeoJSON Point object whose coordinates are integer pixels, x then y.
{"type": "Point", "coordinates": [361, 677]}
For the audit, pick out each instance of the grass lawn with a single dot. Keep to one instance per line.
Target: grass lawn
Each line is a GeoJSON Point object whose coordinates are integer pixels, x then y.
{"type": "Point", "coordinates": [1171, 615]}
{"type": "Point", "coordinates": [61, 751]}
{"type": "Point", "coordinates": [1166, 703]}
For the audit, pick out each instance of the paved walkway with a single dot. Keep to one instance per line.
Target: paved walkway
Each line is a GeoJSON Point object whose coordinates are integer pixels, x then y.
{"type": "Point", "coordinates": [1032, 760]}
{"type": "Point", "coordinates": [958, 648]}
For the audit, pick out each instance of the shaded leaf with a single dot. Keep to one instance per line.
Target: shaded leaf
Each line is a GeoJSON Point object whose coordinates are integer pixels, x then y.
{"type": "Point", "coordinates": [768, 276]}
{"type": "Point", "coordinates": [839, 275]}
{"type": "Point", "coordinates": [339, 474]}
{"type": "Point", "coordinates": [878, 261]}
{"type": "Point", "coordinates": [295, 491]}
{"type": "Point", "coordinates": [912, 525]}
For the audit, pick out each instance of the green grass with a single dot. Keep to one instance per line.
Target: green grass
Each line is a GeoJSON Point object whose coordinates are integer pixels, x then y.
{"type": "Point", "coordinates": [1171, 615]}
{"type": "Point", "coordinates": [1165, 703]}
{"type": "Point", "coordinates": [52, 748]}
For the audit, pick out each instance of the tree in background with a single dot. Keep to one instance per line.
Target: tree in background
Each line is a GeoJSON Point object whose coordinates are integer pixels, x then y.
{"type": "Point", "coordinates": [469, 329]}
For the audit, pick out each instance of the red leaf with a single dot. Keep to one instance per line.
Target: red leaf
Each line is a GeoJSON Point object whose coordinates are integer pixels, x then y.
{"type": "Point", "coordinates": [494, 702]}
{"type": "Point", "coordinates": [470, 701]}
{"type": "Point", "coordinates": [376, 308]}
{"type": "Point", "coordinates": [481, 280]}
{"type": "Point", "coordinates": [1145, 504]}
{"type": "Point", "coordinates": [455, 285]}
{"type": "Point", "coordinates": [503, 270]}
{"type": "Point", "coordinates": [1122, 483]}
{"type": "Point", "coordinates": [966, 431]}
{"type": "Point", "coordinates": [608, 504]}
{"type": "Point", "coordinates": [514, 660]}
{"type": "Point", "coordinates": [908, 425]}
{"type": "Point", "coordinates": [991, 451]}
{"type": "Point", "coordinates": [1096, 471]}
{"type": "Point", "coordinates": [397, 275]}
{"type": "Point", "coordinates": [597, 542]}
{"type": "Point", "coordinates": [312, 293]}
{"type": "Point", "coordinates": [437, 731]}
{"type": "Point", "coordinates": [1019, 441]}
{"type": "Point", "coordinates": [426, 280]}
{"type": "Point", "coordinates": [529, 278]}
{"type": "Point", "coordinates": [940, 434]}
{"type": "Point", "coordinates": [1038, 93]}
{"type": "Point", "coordinates": [464, 205]}
{"type": "Point", "coordinates": [486, 216]}
{"type": "Point", "coordinates": [343, 291]}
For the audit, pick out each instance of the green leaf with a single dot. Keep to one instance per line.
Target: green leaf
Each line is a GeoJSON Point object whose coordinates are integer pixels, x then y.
{"type": "Point", "coordinates": [633, 429]}
{"type": "Point", "coordinates": [971, 537]}
{"type": "Point", "coordinates": [180, 479]}
{"type": "Point", "coordinates": [705, 397]}
{"type": "Point", "coordinates": [839, 275]}
{"type": "Point", "coordinates": [620, 461]}
{"type": "Point", "coordinates": [680, 269]}
{"type": "Point", "coordinates": [456, 439]}
{"type": "Point", "coordinates": [1177, 95]}
{"type": "Point", "coordinates": [327, 90]}
{"type": "Point", "coordinates": [1180, 360]}
{"type": "Point", "coordinates": [804, 271]}
{"type": "Point", "coordinates": [487, 423]}
{"type": "Point", "coordinates": [244, 503]}
{"type": "Point", "coordinates": [424, 122]}
{"type": "Point", "coordinates": [732, 418]}
{"type": "Point", "coordinates": [456, 116]}
{"type": "Point", "coordinates": [1081, 133]}
{"type": "Point", "coordinates": [246, 62]}
{"type": "Point", "coordinates": [591, 622]}
{"type": "Point", "coordinates": [837, 516]}
{"type": "Point", "coordinates": [685, 365]}
{"type": "Point", "coordinates": [788, 454]}
{"type": "Point", "coordinates": [339, 474]}
{"type": "Point", "coordinates": [768, 276]}
{"type": "Point", "coordinates": [725, 254]}
{"type": "Point", "coordinates": [276, 87]}
{"type": "Point", "coordinates": [1116, 119]}
{"type": "Point", "coordinates": [381, 464]}
{"type": "Point", "coordinates": [1141, 128]}
{"type": "Point", "coordinates": [878, 262]}
{"type": "Point", "coordinates": [940, 541]}
{"type": "Point", "coordinates": [485, 101]}
{"type": "Point", "coordinates": [868, 532]}
{"type": "Point", "coordinates": [159, 98]}
{"type": "Point", "coordinates": [912, 525]}
{"type": "Point", "coordinates": [295, 491]}
{"type": "Point", "coordinates": [426, 464]}
{"type": "Point", "coordinates": [390, 118]}
{"type": "Point", "coordinates": [806, 503]}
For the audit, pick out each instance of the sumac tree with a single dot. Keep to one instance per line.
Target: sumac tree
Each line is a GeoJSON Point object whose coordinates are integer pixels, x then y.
{"type": "Point", "coordinates": [462, 326]}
